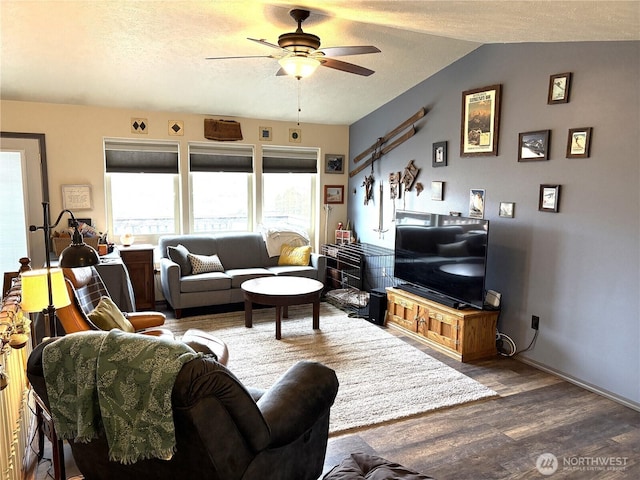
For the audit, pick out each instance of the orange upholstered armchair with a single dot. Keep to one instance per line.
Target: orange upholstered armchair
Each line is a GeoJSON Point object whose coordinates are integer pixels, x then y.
{"type": "Point", "coordinates": [87, 293]}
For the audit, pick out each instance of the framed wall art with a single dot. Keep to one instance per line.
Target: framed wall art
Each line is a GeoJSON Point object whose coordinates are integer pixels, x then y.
{"type": "Point", "coordinates": [507, 209]}
{"type": "Point", "coordinates": [549, 200]}
{"type": "Point", "coordinates": [533, 146]}
{"type": "Point", "coordinates": [265, 134]}
{"type": "Point", "coordinates": [76, 197]}
{"type": "Point", "coordinates": [437, 191]}
{"type": "Point", "coordinates": [439, 154]}
{"type": "Point", "coordinates": [559, 88]}
{"type": "Point", "coordinates": [579, 142]}
{"type": "Point", "coordinates": [476, 203]}
{"type": "Point", "coordinates": [480, 121]}
{"type": "Point", "coordinates": [333, 163]}
{"type": "Point", "coordinates": [333, 194]}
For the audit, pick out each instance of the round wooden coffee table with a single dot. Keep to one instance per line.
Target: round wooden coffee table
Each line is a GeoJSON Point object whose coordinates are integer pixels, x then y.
{"type": "Point", "coordinates": [281, 292]}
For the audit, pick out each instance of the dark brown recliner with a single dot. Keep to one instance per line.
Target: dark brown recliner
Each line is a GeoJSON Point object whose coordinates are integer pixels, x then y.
{"type": "Point", "coordinates": [225, 431]}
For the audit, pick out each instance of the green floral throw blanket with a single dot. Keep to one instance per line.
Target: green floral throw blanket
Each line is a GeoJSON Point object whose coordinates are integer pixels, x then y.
{"type": "Point", "coordinates": [118, 381]}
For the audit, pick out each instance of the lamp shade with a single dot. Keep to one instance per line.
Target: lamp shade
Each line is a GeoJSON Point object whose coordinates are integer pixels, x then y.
{"type": "Point", "coordinates": [35, 292]}
{"type": "Point", "coordinates": [299, 66]}
{"type": "Point", "coordinates": [78, 255]}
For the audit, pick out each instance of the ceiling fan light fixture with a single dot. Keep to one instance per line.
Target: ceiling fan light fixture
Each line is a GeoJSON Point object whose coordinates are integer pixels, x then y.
{"type": "Point", "coordinates": [299, 66]}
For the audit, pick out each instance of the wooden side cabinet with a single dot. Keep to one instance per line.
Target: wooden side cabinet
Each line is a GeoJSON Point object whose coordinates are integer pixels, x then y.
{"type": "Point", "coordinates": [139, 262]}
{"type": "Point", "coordinates": [465, 335]}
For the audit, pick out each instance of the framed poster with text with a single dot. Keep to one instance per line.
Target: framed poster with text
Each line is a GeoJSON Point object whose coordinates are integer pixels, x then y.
{"type": "Point", "coordinates": [480, 121]}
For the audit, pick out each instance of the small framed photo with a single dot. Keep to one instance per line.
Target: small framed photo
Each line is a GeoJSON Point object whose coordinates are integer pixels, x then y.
{"type": "Point", "coordinates": [476, 203]}
{"type": "Point", "coordinates": [559, 88]}
{"type": "Point", "coordinates": [549, 198]}
{"type": "Point", "coordinates": [264, 134]}
{"type": "Point", "coordinates": [437, 191]}
{"type": "Point", "coordinates": [507, 209]}
{"type": "Point", "coordinates": [533, 146]}
{"type": "Point", "coordinates": [333, 163]}
{"type": "Point", "coordinates": [333, 194]}
{"type": "Point", "coordinates": [439, 154]}
{"type": "Point", "coordinates": [295, 135]}
{"type": "Point", "coordinates": [76, 197]}
{"type": "Point", "coordinates": [579, 142]}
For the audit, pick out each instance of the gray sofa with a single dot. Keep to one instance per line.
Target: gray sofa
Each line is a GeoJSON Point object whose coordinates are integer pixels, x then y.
{"type": "Point", "coordinates": [243, 256]}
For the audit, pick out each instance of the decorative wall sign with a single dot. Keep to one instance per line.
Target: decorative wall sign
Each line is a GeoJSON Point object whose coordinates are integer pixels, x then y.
{"type": "Point", "coordinates": [76, 197]}
{"type": "Point", "coordinates": [476, 203]}
{"type": "Point", "coordinates": [264, 134]}
{"type": "Point", "coordinates": [333, 194]}
{"type": "Point", "coordinates": [549, 200]}
{"type": "Point", "coordinates": [533, 146]}
{"type": "Point", "coordinates": [139, 125]}
{"type": "Point", "coordinates": [333, 163]}
{"type": "Point", "coordinates": [480, 121]}
{"type": "Point", "coordinates": [409, 176]}
{"type": "Point", "coordinates": [439, 154]}
{"type": "Point", "coordinates": [437, 191]}
{"type": "Point", "coordinates": [507, 209]}
{"type": "Point", "coordinates": [559, 88]}
{"type": "Point", "coordinates": [295, 135]}
{"type": "Point", "coordinates": [579, 142]}
{"type": "Point", "coordinates": [176, 128]}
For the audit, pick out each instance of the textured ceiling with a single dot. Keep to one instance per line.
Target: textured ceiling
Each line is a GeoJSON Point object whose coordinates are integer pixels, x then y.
{"type": "Point", "coordinates": [150, 55]}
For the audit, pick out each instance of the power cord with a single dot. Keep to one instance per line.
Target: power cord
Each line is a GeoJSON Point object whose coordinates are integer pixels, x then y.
{"type": "Point", "coordinates": [531, 345]}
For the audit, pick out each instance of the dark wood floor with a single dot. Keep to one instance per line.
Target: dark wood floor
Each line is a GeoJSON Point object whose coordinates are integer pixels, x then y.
{"type": "Point", "coordinates": [502, 438]}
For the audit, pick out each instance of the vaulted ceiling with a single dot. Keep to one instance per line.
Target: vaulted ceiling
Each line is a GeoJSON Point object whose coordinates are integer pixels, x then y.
{"type": "Point", "coordinates": [150, 55]}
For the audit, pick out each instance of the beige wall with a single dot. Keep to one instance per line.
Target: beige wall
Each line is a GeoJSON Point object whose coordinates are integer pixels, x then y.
{"type": "Point", "coordinates": [74, 138]}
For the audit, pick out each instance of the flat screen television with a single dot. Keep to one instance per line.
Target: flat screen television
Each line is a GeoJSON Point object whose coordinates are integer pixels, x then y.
{"type": "Point", "coordinates": [442, 257]}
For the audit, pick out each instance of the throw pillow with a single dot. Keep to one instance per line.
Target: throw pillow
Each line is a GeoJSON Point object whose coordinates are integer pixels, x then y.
{"type": "Point", "coordinates": [455, 249]}
{"type": "Point", "coordinates": [298, 256]}
{"type": "Point", "coordinates": [107, 316]}
{"type": "Point", "coordinates": [205, 264]}
{"type": "Point", "coordinates": [179, 254]}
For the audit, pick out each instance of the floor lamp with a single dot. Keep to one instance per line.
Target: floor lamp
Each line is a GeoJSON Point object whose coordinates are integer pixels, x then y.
{"type": "Point", "coordinates": [45, 290]}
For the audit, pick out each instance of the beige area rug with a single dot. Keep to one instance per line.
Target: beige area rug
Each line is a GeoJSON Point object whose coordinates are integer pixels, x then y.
{"type": "Point", "coordinates": [381, 377]}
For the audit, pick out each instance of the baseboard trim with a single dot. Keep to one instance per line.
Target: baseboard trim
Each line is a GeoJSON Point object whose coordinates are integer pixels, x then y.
{"type": "Point", "coordinates": [587, 386]}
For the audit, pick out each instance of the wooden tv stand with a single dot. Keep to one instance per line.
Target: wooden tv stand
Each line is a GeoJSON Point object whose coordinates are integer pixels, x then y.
{"type": "Point", "coordinates": [465, 335]}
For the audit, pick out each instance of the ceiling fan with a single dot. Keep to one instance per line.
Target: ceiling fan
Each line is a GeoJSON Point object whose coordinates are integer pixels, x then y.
{"type": "Point", "coordinates": [299, 53]}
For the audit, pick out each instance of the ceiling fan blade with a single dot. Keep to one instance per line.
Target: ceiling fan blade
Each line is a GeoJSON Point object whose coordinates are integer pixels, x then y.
{"type": "Point", "coordinates": [246, 56]}
{"type": "Point", "coordinates": [343, 51]}
{"type": "Point", "coordinates": [345, 67]}
{"type": "Point", "coordinates": [262, 41]}
{"type": "Point", "coordinates": [281, 72]}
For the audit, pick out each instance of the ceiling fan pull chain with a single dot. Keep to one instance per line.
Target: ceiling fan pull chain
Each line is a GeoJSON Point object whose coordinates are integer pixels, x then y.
{"type": "Point", "coordinates": [299, 101]}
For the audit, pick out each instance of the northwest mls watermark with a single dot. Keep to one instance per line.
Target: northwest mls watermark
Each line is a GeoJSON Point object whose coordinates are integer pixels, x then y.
{"type": "Point", "coordinates": [548, 464]}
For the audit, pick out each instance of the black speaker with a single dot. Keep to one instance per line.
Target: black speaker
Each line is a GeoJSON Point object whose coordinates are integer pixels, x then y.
{"type": "Point", "coordinates": [377, 306]}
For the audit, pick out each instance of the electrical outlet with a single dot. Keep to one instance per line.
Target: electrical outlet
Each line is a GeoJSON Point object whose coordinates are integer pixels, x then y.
{"type": "Point", "coordinates": [535, 322]}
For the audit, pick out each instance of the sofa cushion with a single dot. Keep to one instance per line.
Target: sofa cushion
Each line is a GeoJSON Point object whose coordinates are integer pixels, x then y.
{"type": "Point", "coordinates": [107, 316]}
{"type": "Point", "coordinates": [205, 282]}
{"type": "Point", "coordinates": [240, 275]}
{"type": "Point", "coordinates": [294, 271]}
{"type": "Point", "coordinates": [179, 254]}
{"type": "Point", "coordinates": [294, 255]}
{"type": "Point", "coordinates": [205, 263]}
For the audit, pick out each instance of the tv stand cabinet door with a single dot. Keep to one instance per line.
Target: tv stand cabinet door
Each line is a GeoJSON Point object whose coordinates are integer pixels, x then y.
{"type": "Point", "coordinates": [402, 311]}
{"type": "Point", "coordinates": [439, 327]}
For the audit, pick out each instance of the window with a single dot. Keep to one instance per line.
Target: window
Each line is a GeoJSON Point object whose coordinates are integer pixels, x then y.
{"type": "Point", "coordinates": [142, 188]}
{"type": "Point", "coordinates": [13, 241]}
{"type": "Point", "coordinates": [221, 186]}
{"type": "Point", "coordinates": [289, 187]}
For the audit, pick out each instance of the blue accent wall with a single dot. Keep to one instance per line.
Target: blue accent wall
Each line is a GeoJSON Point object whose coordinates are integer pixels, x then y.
{"type": "Point", "coordinates": [577, 269]}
